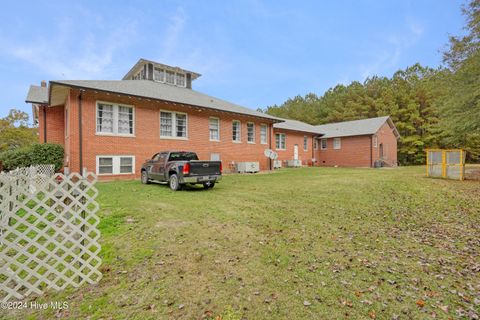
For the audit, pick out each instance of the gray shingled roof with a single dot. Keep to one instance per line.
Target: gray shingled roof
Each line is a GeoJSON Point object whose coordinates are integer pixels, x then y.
{"type": "Point", "coordinates": [296, 126]}
{"type": "Point", "coordinates": [37, 94]}
{"type": "Point", "coordinates": [354, 128]}
{"type": "Point", "coordinates": [161, 91]}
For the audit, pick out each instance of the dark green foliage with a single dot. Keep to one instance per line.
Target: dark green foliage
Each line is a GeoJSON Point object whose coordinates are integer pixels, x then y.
{"type": "Point", "coordinates": [430, 107]}
{"type": "Point", "coordinates": [460, 107]}
{"type": "Point", "coordinates": [15, 131]}
{"type": "Point", "coordinates": [408, 97]}
{"type": "Point", "coordinates": [47, 153]}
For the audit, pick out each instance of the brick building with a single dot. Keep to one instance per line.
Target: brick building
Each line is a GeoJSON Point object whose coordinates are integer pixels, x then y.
{"type": "Point", "coordinates": [358, 143]}
{"type": "Point", "coordinates": [111, 126]}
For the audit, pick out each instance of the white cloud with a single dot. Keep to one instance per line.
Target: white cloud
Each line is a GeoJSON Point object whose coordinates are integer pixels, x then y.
{"type": "Point", "coordinates": [395, 45]}
{"type": "Point", "coordinates": [65, 54]}
{"type": "Point", "coordinates": [173, 33]}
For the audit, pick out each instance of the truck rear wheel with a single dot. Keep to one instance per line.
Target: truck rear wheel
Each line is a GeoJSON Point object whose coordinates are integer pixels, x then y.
{"type": "Point", "coordinates": [174, 183]}
{"type": "Point", "coordinates": [209, 184]}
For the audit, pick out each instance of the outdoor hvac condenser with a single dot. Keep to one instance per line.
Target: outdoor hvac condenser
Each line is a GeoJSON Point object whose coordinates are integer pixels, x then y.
{"type": "Point", "coordinates": [250, 167]}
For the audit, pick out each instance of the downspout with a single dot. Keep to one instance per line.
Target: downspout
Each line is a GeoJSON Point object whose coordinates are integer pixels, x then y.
{"type": "Point", "coordinates": [270, 146]}
{"type": "Point", "coordinates": [313, 151]}
{"type": "Point", "coordinates": [371, 151]}
{"type": "Point", "coordinates": [80, 133]}
{"type": "Point", "coordinates": [44, 109]}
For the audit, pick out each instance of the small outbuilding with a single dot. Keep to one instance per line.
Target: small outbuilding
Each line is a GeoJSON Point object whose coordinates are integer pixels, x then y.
{"type": "Point", "coordinates": [359, 143]}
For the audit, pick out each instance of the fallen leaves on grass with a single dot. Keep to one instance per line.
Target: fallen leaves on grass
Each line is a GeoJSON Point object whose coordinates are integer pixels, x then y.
{"type": "Point", "coordinates": [420, 303]}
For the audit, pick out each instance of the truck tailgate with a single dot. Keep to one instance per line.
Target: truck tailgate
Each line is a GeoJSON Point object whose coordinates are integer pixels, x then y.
{"type": "Point", "coordinates": [204, 168]}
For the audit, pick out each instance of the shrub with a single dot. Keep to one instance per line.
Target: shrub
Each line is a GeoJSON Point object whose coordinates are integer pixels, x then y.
{"type": "Point", "coordinates": [47, 153]}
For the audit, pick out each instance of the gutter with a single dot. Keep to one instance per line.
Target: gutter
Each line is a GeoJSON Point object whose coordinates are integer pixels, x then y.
{"type": "Point", "coordinates": [270, 146]}
{"type": "Point", "coordinates": [371, 151]}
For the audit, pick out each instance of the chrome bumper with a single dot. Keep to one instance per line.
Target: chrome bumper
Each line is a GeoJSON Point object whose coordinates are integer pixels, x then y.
{"type": "Point", "coordinates": [200, 179]}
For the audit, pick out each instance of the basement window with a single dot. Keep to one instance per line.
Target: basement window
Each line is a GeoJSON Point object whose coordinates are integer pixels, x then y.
{"type": "Point", "coordinates": [337, 143]}
{"type": "Point", "coordinates": [280, 141]}
{"type": "Point", "coordinates": [109, 165]}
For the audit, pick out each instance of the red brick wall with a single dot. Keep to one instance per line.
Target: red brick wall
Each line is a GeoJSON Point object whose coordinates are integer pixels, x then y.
{"type": "Point", "coordinates": [55, 124]}
{"type": "Point", "coordinates": [292, 138]}
{"type": "Point", "coordinates": [386, 137]}
{"type": "Point", "coordinates": [354, 152]}
{"type": "Point", "coordinates": [359, 151]}
{"type": "Point", "coordinates": [147, 141]}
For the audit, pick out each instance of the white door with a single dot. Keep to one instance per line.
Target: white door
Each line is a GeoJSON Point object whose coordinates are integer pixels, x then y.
{"type": "Point", "coordinates": [295, 152]}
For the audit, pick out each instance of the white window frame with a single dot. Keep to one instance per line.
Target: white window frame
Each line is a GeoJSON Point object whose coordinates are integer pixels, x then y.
{"type": "Point", "coordinates": [175, 83]}
{"type": "Point", "coordinates": [305, 143]}
{"type": "Point", "coordinates": [184, 79]}
{"type": "Point", "coordinates": [218, 129]}
{"type": "Point", "coordinates": [253, 126]}
{"type": "Point", "coordinates": [279, 147]}
{"type": "Point", "coordinates": [263, 125]}
{"type": "Point", "coordinates": [163, 73]}
{"type": "Point", "coordinates": [337, 143]}
{"type": "Point", "coordinates": [174, 125]}
{"type": "Point", "coordinates": [115, 110]}
{"type": "Point", "coordinates": [321, 144]}
{"type": "Point", "coordinates": [239, 131]}
{"type": "Point", "coordinates": [115, 164]}
{"type": "Point", "coordinates": [375, 141]}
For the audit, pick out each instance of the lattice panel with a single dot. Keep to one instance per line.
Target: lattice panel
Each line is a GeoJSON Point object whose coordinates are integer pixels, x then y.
{"type": "Point", "coordinates": [48, 236]}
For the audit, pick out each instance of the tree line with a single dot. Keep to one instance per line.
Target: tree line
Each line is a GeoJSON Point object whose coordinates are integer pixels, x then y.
{"type": "Point", "coordinates": [431, 107]}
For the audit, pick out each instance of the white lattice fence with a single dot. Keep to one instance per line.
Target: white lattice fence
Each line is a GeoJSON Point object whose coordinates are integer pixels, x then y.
{"type": "Point", "coordinates": [48, 234]}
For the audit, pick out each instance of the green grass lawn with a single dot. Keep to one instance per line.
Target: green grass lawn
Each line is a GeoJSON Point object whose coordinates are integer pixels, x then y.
{"type": "Point", "coordinates": [311, 243]}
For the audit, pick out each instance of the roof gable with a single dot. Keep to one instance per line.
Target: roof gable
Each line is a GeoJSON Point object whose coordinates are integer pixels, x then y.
{"type": "Point", "coordinates": [37, 94]}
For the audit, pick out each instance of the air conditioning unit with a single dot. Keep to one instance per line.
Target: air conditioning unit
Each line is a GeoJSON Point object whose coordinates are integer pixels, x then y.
{"type": "Point", "coordinates": [277, 164]}
{"type": "Point", "coordinates": [250, 167]}
{"type": "Point", "coordinates": [294, 163]}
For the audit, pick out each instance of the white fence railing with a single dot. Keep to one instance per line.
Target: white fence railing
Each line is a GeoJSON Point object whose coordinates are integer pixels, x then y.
{"type": "Point", "coordinates": [48, 231]}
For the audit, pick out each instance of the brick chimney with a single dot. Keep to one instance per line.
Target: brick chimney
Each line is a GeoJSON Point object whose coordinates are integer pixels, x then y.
{"type": "Point", "coordinates": [43, 83]}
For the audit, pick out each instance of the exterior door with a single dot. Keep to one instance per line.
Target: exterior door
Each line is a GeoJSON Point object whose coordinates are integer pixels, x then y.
{"type": "Point", "coordinates": [381, 150]}
{"type": "Point", "coordinates": [295, 152]}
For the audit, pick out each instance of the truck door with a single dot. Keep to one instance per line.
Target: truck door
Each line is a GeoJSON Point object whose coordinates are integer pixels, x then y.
{"type": "Point", "coordinates": [159, 166]}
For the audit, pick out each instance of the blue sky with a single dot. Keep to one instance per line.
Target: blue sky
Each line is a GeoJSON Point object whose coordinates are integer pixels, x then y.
{"type": "Point", "coordinates": [254, 53]}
